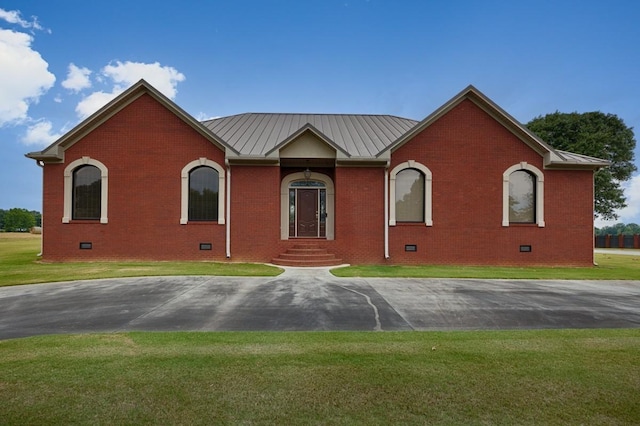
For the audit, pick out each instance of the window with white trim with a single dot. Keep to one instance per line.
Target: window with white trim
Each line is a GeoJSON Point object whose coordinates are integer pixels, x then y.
{"type": "Point", "coordinates": [523, 195]}
{"type": "Point", "coordinates": [410, 186]}
{"type": "Point", "coordinates": [86, 186]}
{"type": "Point", "coordinates": [202, 192]}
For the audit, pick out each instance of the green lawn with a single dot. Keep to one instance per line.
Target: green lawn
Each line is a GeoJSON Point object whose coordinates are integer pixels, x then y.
{"type": "Point", "coordinates": [610, 267]}
{"type": "Point", "coordinates": [505, 377]}
{"type": "Point", "coordinates": [19, 265]}
{"type": "Point", "coordinates": [563, 377]}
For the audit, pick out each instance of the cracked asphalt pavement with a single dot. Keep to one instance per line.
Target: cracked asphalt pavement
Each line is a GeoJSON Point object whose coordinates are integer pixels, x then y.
{"type": "Point", "coordinates": [313, 299]}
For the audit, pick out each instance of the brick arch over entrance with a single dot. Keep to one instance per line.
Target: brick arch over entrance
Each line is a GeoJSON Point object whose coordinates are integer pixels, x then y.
{"type": "Point", "coordinates": [284, 202]}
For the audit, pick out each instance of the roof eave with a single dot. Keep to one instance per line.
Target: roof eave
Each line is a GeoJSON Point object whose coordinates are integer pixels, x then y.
{"type": "Point", "coordinates": [55, 151]}
{"type": "Point", "coordinates": [490, 107]}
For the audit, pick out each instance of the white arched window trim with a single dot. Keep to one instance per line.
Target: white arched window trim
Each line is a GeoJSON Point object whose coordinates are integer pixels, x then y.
{"type": "Point", "coordinates": [428, 180]}
{"type": "Point", "coordinates": [284, 202]}
{"type": "Point", "coordinates": [68, 187]}
{"type": "Point", "coordinates": [184, 192]}
{"type": "Point", "coordinates": [539, 192]}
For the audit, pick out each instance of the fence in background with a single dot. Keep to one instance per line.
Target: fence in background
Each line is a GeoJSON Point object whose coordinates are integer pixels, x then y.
{"type": "Point", "coordinates": [618, 241]}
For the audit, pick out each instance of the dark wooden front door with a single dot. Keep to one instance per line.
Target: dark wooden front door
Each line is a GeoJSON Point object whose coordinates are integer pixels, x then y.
{"type": "Point", "coordinates": [307, 209]}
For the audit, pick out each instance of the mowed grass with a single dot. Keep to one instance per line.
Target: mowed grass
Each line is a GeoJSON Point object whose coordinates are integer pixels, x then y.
{"type": "Point", "coordinates": [554, 377]}
{"type": "Point", "coordinates": [609, 267]}
{"type": "Point", "coordinates": [19, 265]}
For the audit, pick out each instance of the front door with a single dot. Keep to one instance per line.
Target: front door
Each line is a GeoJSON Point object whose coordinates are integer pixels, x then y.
{"type": "Point", "coordinates": [307, 209]}
{"type": "Point", "coordinates": [307, 223]}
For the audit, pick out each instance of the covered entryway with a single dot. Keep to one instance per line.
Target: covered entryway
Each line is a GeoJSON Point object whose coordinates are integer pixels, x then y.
{"type": "Point", "coordinates": [307, 209]}
{"type": "Point", "coordinates": [307, 206]}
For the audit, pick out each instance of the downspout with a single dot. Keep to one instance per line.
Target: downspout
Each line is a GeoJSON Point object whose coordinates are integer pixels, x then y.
{"type": "Point", "coordinates": [41, 165]}
{"type": "Point", "coordinates": [386, 211]}
{"type": "Point", "coordinates": [228, 201]}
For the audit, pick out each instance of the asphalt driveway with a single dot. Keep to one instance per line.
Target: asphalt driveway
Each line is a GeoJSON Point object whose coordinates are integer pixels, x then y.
{"type": "Point", "coordinates": [313, 299]}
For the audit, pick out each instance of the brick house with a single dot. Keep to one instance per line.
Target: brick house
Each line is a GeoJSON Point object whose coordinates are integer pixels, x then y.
{"type": "Point", "coordinates": [142, 179]}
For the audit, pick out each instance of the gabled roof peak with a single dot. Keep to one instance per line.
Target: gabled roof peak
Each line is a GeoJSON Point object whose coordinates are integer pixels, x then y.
{"type": "Point", "coordinates": [55, 151]}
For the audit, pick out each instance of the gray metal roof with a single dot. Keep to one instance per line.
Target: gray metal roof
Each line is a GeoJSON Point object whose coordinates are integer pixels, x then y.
{"type": "Point", "coordinates": [256, 134]}
{"type": "Point", "coordinates": [573, 158]}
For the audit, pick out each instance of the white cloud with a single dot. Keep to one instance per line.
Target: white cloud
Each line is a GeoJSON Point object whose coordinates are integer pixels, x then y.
{"type": "Point", "coordinates": [24, 76]}
{"type": "Point", "coordinates": [124, 74]}
{"type": "Point", "coordinates": [631, 213]}
{"type": "Point", "coordinates": [40, 134]}
{"type": "Point", "coordinates": [13, 17]}
{"type": "Point", "coordinates": [165, 79]}
{"type": "Point", "coordinates": [203, 116]}
{"type": "Point", "coordinates": [95, 101]}
{"type": "Point", "coordinates": [77, 78]}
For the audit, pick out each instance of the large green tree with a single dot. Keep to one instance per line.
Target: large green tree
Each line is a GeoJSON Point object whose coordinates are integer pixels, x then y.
{"type": "Point", "coordinates": [18, 220]}
{"type": "Point", "coordinates": [595, 134]}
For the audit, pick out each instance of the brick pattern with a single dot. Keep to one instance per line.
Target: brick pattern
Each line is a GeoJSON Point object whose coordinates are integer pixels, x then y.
{"type": "Point", "coordinates": [467, 152]}
{"type": "Point", "coordinates": [145, 147]}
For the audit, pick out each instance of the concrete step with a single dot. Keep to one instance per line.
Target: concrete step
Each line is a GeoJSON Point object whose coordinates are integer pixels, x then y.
{"type": "Point", "coordinates": [306, 254]}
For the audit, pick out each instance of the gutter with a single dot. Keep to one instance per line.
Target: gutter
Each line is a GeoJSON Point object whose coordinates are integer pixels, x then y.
{"type": "Point", "coordinates": [386, 210]}
{"type": "Point", "coordinates": [40, 164]}
{"type": "Point", "coordinates": [228, 210]}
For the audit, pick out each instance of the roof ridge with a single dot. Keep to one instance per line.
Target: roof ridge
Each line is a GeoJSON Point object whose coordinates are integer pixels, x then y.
{"type": "Point", "coordinates": [310, 113]}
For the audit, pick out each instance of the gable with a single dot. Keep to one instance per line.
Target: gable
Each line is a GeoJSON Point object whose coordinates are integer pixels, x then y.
{"type": "Point", "coordinates": [307, 145]}
{"type": "Point", "coordinates": [54, 153]}
{"type": "Point", "coordinates": [552, 158]}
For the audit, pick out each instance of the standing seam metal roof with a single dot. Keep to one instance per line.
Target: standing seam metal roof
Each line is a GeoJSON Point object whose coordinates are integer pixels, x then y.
{"type": "Point", "coordinates": [255, 134]}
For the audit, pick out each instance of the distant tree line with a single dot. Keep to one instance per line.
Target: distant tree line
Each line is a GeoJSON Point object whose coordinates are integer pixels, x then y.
{"type": "Point", "coordinates": [19, 220]}
{"type": "Point", "coordinates": [619, 229]}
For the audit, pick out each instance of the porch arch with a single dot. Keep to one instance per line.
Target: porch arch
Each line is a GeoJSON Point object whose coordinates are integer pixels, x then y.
{"type": "Point", "coordinates": [284, 202]}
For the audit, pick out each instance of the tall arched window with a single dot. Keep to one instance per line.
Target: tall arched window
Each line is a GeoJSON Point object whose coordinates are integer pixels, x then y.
{"type": "Point", "coordinates": [203, 194]}
{"type": "Point", "coordinates": [523, 195]}
{"type": "Point", "coordinates": [87, 191]}
{"type": "Point", "coordinates": [86, 186]}
{"type": "Point", "coordinates": [409, 196]}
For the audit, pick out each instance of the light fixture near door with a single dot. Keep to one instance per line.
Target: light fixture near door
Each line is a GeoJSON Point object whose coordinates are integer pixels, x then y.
{"type": "Point", "coordinates": [307, 174]}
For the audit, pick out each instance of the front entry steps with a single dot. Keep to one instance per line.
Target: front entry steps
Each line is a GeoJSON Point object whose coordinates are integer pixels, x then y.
{"type": "Point", "coordinates": [307, 254]}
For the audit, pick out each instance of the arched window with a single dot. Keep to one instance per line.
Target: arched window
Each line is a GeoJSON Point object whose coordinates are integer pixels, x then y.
{"type": "Point", "coordinates": [87, 190]}
{"type": "Point", "coordinates": [410, 194]}
{"type": "Point", "coordinates": [523, 195]}
{"type": "Point", "coordinates": [409, 197]}
{"type": "Point", "coordinates": [203, 193]}
{"type": "Point", "coordinates": [86, 186]}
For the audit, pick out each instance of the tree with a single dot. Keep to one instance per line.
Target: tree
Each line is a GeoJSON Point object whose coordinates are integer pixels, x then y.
{"type": "Point", "coordinates": [18, 220]}
{"type": "Point", "coordinates": [37, 216]}
{"type": "Point", "coordinates": [597, 135]}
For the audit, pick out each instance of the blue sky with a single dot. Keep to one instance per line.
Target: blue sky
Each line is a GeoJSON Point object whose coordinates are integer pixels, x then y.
{"type": "Point", "coordinates": [62, 60]}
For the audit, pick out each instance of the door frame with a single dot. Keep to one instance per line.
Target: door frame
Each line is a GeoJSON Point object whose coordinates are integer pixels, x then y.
{"type": "Point", "coordinates": [313, 210]}
{"type": "Point", "coordinates": [284, 202]}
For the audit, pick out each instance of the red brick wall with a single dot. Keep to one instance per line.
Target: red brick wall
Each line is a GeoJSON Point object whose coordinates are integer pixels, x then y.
{"type": "Point", "coordinates": [360, 214]}
{"type": "Point", "coordinates": [468, 151]}
{"type": "Point", "coordinates": [144, 147]}
{"type": "Point", "coordinates": [255, 213]}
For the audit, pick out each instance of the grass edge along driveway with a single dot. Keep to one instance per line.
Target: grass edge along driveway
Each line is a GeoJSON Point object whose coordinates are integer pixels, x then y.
{"type": "Point", "coordinates": [19, 265]}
